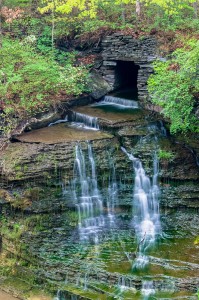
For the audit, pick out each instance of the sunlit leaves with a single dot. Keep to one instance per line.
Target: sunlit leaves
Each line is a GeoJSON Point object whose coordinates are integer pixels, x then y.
{"type": "Point", "coordinates": [170, 7]}
{"type": "Point", "coordinates": [80, 8]}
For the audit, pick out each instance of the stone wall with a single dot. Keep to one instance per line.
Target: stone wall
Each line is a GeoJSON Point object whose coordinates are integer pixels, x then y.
{"type": "Point", "coordinates": [125, 48]}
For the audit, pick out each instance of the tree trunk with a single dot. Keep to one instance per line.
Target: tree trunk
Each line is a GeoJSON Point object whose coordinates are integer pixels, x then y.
{"type": "Point", "coordinates": [34, 6]}
{"type": "Point", "coordinates": [53, 25]}
{"type": "Point", "coordinates": [195, 6]}
{"type": "Point", "coordinates": [52, 32]}
{"type": "Point", "coordinates": [138, 8]}
{"type": "Point", "coordinates": [123, 14]}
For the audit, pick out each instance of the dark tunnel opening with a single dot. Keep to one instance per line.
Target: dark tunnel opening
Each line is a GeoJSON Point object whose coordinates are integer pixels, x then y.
{"type": "Point", "coordinates": [126, 74]}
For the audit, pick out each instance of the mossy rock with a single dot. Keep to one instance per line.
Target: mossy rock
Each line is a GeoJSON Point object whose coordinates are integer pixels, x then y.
{"type": "Point", "coordinates": [5, 196]}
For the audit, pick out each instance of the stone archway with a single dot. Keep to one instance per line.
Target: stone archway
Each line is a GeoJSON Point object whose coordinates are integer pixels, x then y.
{"type": "Point", "coordinates": [126, 74]}
{"type": "Point", "coordinates": [128, 61]}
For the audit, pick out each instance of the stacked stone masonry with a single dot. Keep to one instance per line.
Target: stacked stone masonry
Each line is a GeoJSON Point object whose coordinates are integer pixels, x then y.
{"type": "Point", "coordinates": [142, 52]}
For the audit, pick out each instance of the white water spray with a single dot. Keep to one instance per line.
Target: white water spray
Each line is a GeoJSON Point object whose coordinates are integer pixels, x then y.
{"type": "Point", "coordinates": [85, 190]}
{"type": "Point", "coordinates": [123, 103]}
{"type": "Point", "coordinates": [59, 121]}
{"type": "Point", "coordinates": [146, 209]}
{"type": "Point", "coordinates": [112, 195]}
{"type": "Point", "coordinates": [147, 289]}
{"type": "Point", "coordinates": [80, 120]}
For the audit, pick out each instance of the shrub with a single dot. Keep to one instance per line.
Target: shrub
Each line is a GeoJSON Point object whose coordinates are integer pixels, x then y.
{"type": "Point", "coordinates": [166, 155]}
{"type": "Point", "coordinates": [174, 86]}
{"type": "Point", "coordinates": [31, 83]}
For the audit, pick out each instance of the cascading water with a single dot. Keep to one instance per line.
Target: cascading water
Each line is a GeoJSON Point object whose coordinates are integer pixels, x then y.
{"type": "Point", "coordinates": [112, 192]}
{"type": "Point", "coordinates": [147, 289]}
{"type": "Point", "coordinates": [119, 102]}
{"type": "Point", "coordinates": [125, 283]}
{"type": "Point", "coordinates": [146, 209]}
{"type": "Point", "coordinates": [80, 120]}
{"type": "Point", "coordinates": [162, 128]}
{"type": "Point", "coordinates": [59, 121]}
{"type": "Point", "coordinates": [87, 196]}
{"type": "Point", "coordinates": [58, 296]}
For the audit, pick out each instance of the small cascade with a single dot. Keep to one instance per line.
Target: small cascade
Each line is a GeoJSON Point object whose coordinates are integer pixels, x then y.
{"type": "Point", "coordinates": [65, 296]}
{"type": "Point", "coordinates": [162, 129]}
{"type": "Point", "coordinates": [146, 209]}
{"type": "Point", "coordinates": [59, 121]}
{"type": "Point", "coordinates": [119, 102]}
{"type": "Point", "coordinates": [58, 296]}
{"type": "Point", "coordinates": [125, 283]}
{"type": "Point", "coordinates": [80, 120]}
{"type": "Point", "coordinates": [157, 128]}
{"type": "Point", "coordinates": [152, 128]}
{"type": "Point", "coordinates": [85, 281]}
{"type": "Point", "coordinates": [86, 193]}
{"type": "Point", "coordinates": [147, 289]}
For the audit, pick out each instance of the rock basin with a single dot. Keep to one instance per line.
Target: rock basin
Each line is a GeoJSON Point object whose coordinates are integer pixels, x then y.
{"type": "Point", "coordinates": [61, 133]}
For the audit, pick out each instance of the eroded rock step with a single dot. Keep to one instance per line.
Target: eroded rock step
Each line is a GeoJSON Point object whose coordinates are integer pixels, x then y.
{"type": "Point", "coordinates": [61, 133]}
{"type": "Point", "coordinates": [110, 116]}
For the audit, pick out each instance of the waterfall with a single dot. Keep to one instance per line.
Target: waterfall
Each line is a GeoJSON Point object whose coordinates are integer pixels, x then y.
{"type": "Point", "coordinates": [58, 296]}
{"type": "Point", "coordinates": [59, 121]}
{"type": "Point", "coordinates": [80, 120]}
{"type": "Point", "coordinates": [112, 191]}
{"type": "Point", "coordinates": [147, 289]}
{"type": "Point", "coordinates": [119, 102]}
{"type": "Point", "coordinates": [157, 128]}
{"type": "Point", "coordinates": [146, 209]}
{"type": "Point", "coordinates": [125, 283]}
{"type": "Point", "coordinates": [62, 296]}
{"type": "Point", "coordinates": [86, 193]}
{"type": "Point", "coordinates": [162, 129]}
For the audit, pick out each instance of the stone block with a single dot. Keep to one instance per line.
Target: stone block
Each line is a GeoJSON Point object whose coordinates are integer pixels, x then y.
{"type": "Point", "coordinates": [109, 63]}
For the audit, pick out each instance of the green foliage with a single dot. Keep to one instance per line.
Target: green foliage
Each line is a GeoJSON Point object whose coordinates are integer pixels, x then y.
{"type": "Point", "coordinates": [196, 242]}
{"type": "Point", "coordinates": [165, 14]}
{"type": "Point", "coordinates": [171, 7]}
{"type": "Point", "coordinates": [30, 83]}
{"type": "Point", "coordinates": [44, 40]}
{"type": "Point", "coordinates": [84, 8]}
{"type": "Point", "coordinates": [13, 231]}
{"type": "Point", "coordinates": [197, 293]}
{"type": "Point", "coordinates": [80, 16]}
{"type": "Point", "coordinates": [19, 3]}
{"type": "Point", "coordinates": [174, 86]}
{"type": "Point", "coordinates": [22, 72]}
{"type": "Point", "coordinates": [166, 155]}
{"type": "Point", "coordinates": [44, 23]}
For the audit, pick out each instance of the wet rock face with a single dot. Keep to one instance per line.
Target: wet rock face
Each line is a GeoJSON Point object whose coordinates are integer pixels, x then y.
{"type": "Point", "coordinates": [179, 195]}
{"type": "Point", "coordinates": [37, 172]}
{"type": "Point", "coordinates": [98, 85]}
{"type": "Point", "coordinates": [36, 160]}
{"type": "Point", "coordinates": [37, 168]}
{"type": "Point", "coordinates": [52, 240]}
